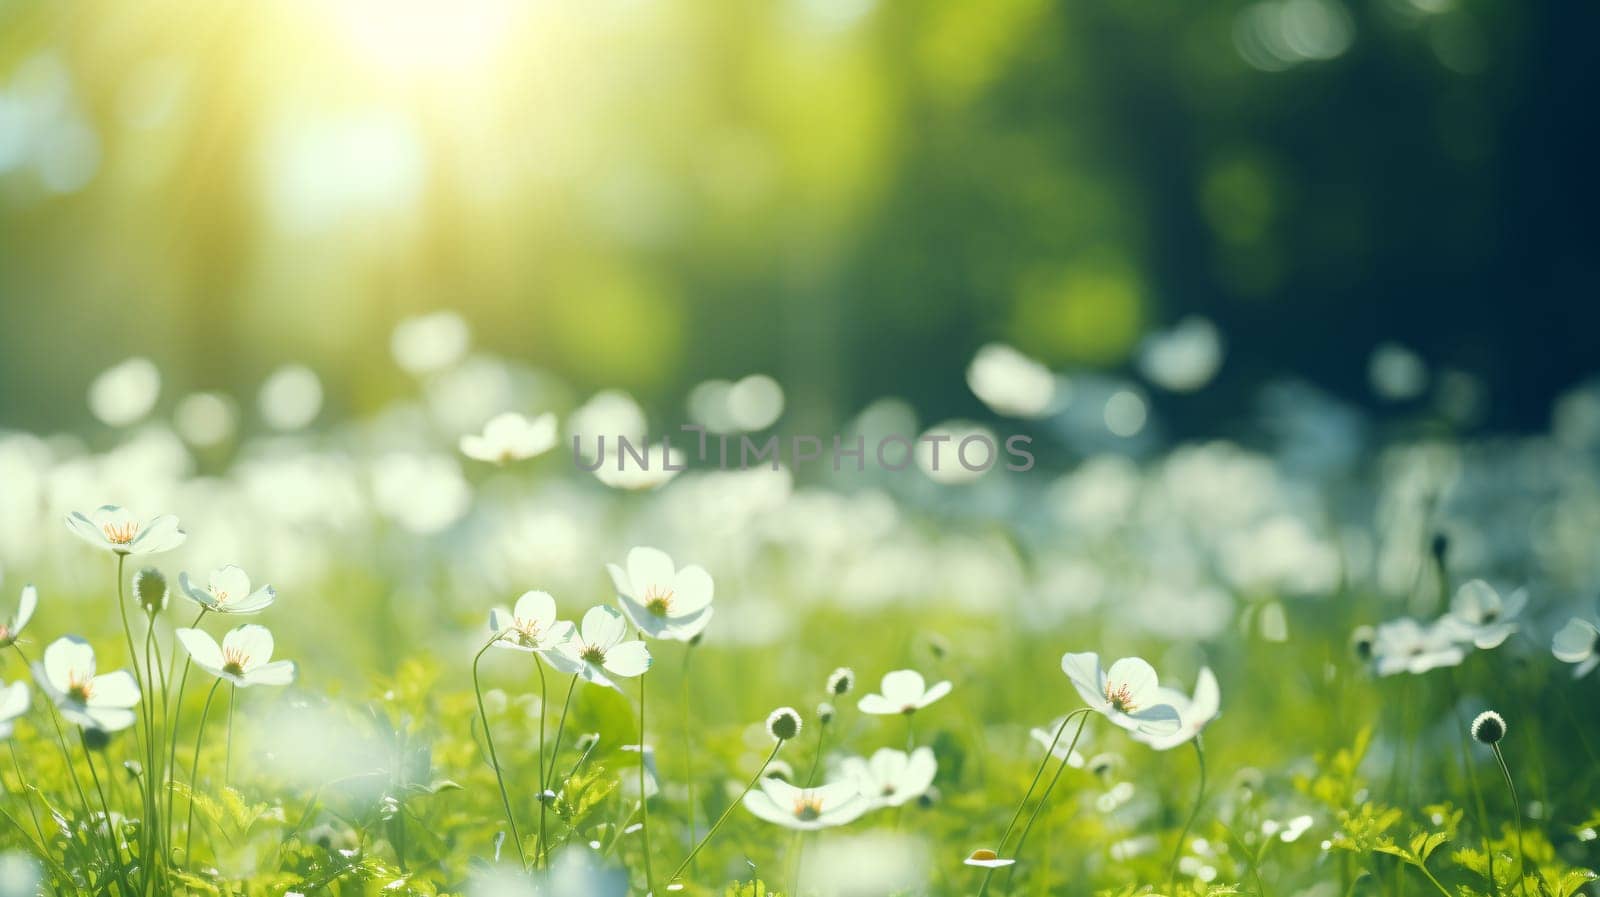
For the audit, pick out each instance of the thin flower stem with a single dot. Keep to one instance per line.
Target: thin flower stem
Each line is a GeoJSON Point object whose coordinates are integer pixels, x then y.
{"type": "Point", "coordinates": [799, 849]}
{"type": "Point", "coordinates": [1472, 780]}
{"type": "Point", "coordinates": [1199, 800]}
{"type": "Point", "coordinates": [144, 706]}
{"type": "Point", "coordinates": [1516, 808]}
{"type": "Point", "coordinates": [22, 783]}
{"type": "Point", "coordinates": [227, 750]}
{"type": "Point", "coordinates": [1045, 798]}
{"type": "Point", "coordinates": [725, 814]}
{"type": "Point", "coordinates": [1043, 765]}
{"type": "Point", "coordinates": [194, 774]}
{"type": "Point", "coordinates": [644, 797]}
{"type": "Point", "coordinates": [172, 738]}
{"type": "Point", "coordinates": [494, 760]}
{"type": "Point", "coordinates": [105, 805]}
{"type": "Point", "coordinates": [688, 747]}
{"type": "Point", "coordinates": [555, 749]}
{"type": "Point", "coordinates": [540, 848]}
{"type": "Point", "coordinates": [1435, 881]}
{"type": "Point", "coordinates": [153, 772]}
{"type": "Point", "coordinates": [61, 739]}
{"type": "Point", "coordinates": [822, 737]}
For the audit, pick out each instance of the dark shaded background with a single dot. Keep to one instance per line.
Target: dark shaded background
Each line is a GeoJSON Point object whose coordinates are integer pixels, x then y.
{"type": "Point", "coordinates": [1126, 162]}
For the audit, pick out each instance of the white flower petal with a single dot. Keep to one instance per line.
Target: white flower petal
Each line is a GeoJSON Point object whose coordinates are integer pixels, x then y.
{"type": "Point", "coordinates": [278, 672]}
{"type": "Point", "coordinates": [649, 569]}
{"type": "Point", "coordinates": [539, 607]}
{"type": "Point", "coordinates": [603, 627]}
{"type": "Point", "coordinates": [201, 647]}
{"type": "Point", "coordinates": [628, 659]}
{"type": "Point", "coordinates": [903, 687]}
{"type": "Point", "coordinates": [114, 689]}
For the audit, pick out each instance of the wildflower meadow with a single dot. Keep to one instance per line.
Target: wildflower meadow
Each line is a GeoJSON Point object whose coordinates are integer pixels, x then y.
{"type": "Point", "coordinates": [799, 448]}
{"type": "Point", "coordinates": [477, 666]}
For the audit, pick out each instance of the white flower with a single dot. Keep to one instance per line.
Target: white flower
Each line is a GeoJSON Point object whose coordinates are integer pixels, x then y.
{"type": "Point", "coordinates": [1576, 643]}
{"type": "Point", "coordinates": [126, 392]}
{"type": "Point", "coordinates": [902, 691]}
{"type": "Point", "coordinates": [622, 470]}
{"type": "Point", "coordinates": [118, 531]}
{"type": "Point", "coordinates": [806, 809]}
{"type": "Point", "coordinates": [1193, 713]}
{"type": "Point", "coordinates": [1046, 736]}
{"type": "Point", "coordinates": [67, 676]}
{"type": "Point", "coordinates": [662, 601]}
{"type": "Point", "coordinates": [13, 703]}
{"type": "Point", "coordinates": [227, 591]}
{"type": "Point", "coordinates": [244, 657]}
{"type": "Point", "coordinates": [1011, 383]}
{"type": "Point", "coordinates": [1406, 646]}
{"type": "Point", "coordinates": [12, 627]}
{"type": "Point", "coordinates": [599, 648]}
{"type": "Point", "coordinates": [1127, 694]}
{"type": "Point", "coordinates": [531, 625]}
{"type": "Point", "coordinates": [1478, 614]}
{"type": "Point", "coordinates": [892, 777]}
{"type": "Point", "coordinates": [1184, 358]}
{"type": "Point", "coordinates": [511, 437]}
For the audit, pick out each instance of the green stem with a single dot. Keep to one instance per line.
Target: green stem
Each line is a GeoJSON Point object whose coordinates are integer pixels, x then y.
{"type": "Point", "coordinates": [1435, 881]}
{"type": "Point", "coordinates": [799, 857]}
{"type": "Point", "coordinates": [1516, 808]}
{"type": "Point", "coordinates": [822, 735]}
{"type": "Point", "coordinates": [153, 772]}
{"type": "Point", "coordinates": [1472, 780]}
{"type": "Point", "coordinates": [227, 750]}
{"type": "Point", "coordinates": [1044, 764]}
{"type": "Point", "coordinates": [194, 774]}
{"type": "Point", "coordinates": [105, 805]}
{"type": "Point", "coordinates": [555, 749]}
{"type": "Point", "coordinates": [172, 737]}
{"type": "Point", "coordinates": [1044, 798]}
{"type": "Point", "coordinates": [644, 798]}
{"type": "Point", "coordinates": [726, 813]}
{"type": "Point", "coordinates": [688, 747]}
{"type": "Point", "coordinates": [66, 752]}
{"type": "Point", "coordinates": [494, 760]}
{"type": "Point", "coordinates": [540, 850]}
{"type": "Point", "coordinates": [22, 783]}
{"type": "Point", "coordinates": [1199, 800]}
{"type": "Point", "coordinates": [144, 707]}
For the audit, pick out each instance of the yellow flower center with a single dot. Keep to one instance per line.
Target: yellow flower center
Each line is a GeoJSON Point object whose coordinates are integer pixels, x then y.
{"type": "Point", "coordinates": [658, 601]}
{"type": "Point", "coordinates": [807, 807]}
{"type": "Point", "coordinates": [527, 631]}
{"type": "Point", "coordinates": [80, 690]}
{"type": "Point", "coordinates": [234, 661]}
{"type": "Point", "coordinates": [120, 533]}
{"type": "Point", "coordinates": [1120, 696]}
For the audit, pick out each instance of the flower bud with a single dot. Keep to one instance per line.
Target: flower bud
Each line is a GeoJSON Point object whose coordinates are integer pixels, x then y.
{"type": "Point", "coordinates": [1489, 727]}
{"type": "Point", "coordinates": [784, 723]}
{"type": "Point", "coordinates": [824, 713]}
{"type": "Point", "coordinates": [840, 681]}
{"type": "Point", "coordinates": [150, 590]}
